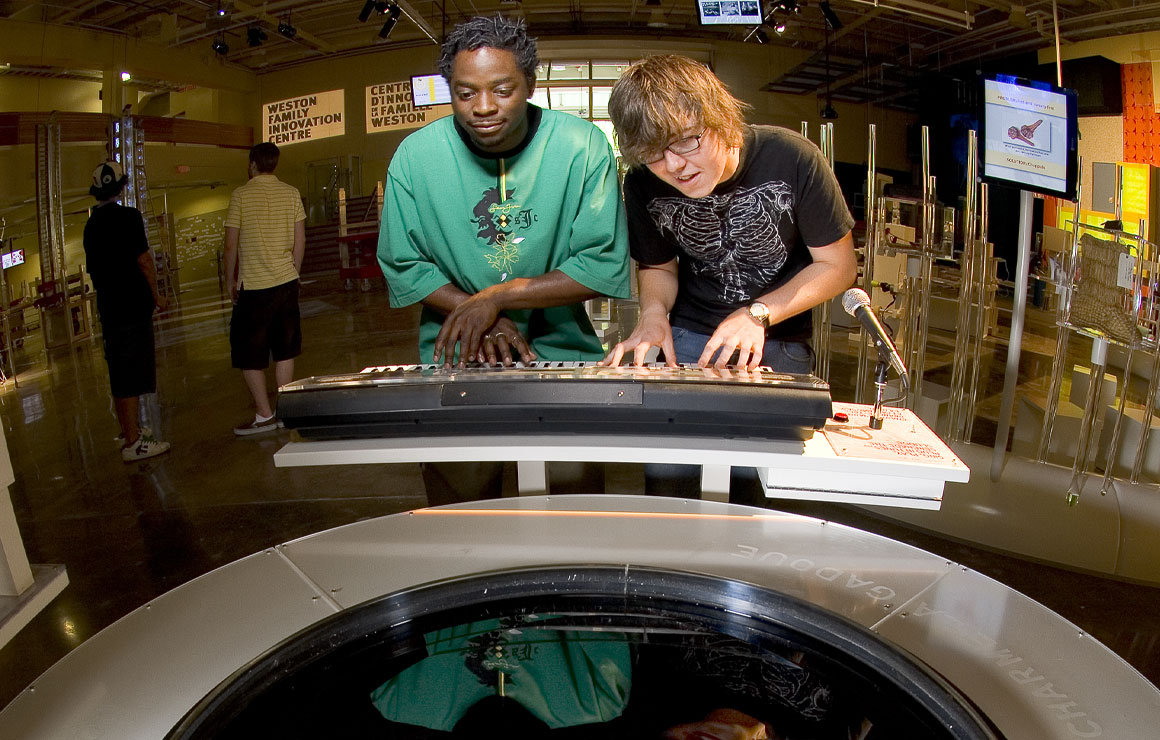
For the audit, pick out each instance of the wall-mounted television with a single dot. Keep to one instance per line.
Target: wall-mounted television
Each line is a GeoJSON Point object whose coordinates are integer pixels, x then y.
{"type": "Point", "coordinates": [730, 12]}
{"type": "Point", "coordinates": [1030, 135]}
{"type": "Point", "coordinates": [12, 259]}
{"type": "Point", "coordinates": [430, 90]}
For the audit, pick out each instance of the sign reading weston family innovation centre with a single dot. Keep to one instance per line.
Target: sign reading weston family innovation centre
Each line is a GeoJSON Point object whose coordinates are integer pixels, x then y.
{"type": "Point", "coordinates": [316, 116]}
{"type": "Point", "coordinates": [390, 107]}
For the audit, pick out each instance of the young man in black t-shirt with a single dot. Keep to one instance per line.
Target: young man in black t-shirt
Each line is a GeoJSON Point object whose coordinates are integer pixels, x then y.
{"type": "Point", "coordinates": [738, 230]}
{"type": "Point", "coordinates": [120, 264]}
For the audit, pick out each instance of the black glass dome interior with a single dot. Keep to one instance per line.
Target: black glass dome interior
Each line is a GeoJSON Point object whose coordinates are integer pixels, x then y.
{"type": "Point", "coordinates": [585, 652]}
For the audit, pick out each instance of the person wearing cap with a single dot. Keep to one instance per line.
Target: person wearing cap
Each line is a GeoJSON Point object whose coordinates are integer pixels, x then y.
{"type": "Point", "coordinates": [265, 243]}
{"type": "Point", "coordinates": [501, 220]}
{"type": "Point", "coordinates": [118, 259]}
{"type": "Point", "coordinates": [738, 230]}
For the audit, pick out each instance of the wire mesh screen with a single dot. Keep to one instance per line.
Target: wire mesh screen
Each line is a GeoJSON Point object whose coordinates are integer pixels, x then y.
{"type": "Point", "coordinates": [1106, 289]}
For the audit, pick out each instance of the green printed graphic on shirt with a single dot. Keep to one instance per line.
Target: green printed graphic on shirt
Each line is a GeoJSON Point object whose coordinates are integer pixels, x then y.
{"type": "Point", "coordinates": [500, 222]}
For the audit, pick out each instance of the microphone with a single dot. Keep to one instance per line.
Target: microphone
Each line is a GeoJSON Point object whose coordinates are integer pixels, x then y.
{"type": "Point", "coordinates": [857, 304]}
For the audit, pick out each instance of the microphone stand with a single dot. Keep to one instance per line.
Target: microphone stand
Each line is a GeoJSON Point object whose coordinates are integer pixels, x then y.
{"type": "Point", "coordinates": [880, 372]}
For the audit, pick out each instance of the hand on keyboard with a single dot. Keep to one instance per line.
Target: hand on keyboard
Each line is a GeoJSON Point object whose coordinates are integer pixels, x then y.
{"type": "Point", "coordinates": [653, 330]}
{"type": "Point", "coordinates": [498, 342]}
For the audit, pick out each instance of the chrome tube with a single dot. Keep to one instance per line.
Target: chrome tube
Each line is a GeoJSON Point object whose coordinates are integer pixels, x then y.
{"type": "Point", "coordinates": [954, 425]}
{"type": "Point", "coordinates": [983, 263]}
{"type": "Point", "coordinates": [1063, 335]}
{"type": "Point", "coordinates": [1095, 388]}
{"type": "Point", "coordinates": [871, 219]}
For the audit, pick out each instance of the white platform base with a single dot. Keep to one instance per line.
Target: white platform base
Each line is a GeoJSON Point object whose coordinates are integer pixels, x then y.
{"type": "Point", "coordinates": [17, 611]}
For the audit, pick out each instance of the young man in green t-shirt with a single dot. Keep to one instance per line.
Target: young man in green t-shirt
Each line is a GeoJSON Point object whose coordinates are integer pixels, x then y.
{"type": "Point", "coordinates": [501, 220]}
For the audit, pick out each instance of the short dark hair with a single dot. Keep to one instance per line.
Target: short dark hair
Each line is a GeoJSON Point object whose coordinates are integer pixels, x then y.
{"type": "Point", "coordinates": [494, 32]}
{"type": "Point", "coordinates": [265, 156]}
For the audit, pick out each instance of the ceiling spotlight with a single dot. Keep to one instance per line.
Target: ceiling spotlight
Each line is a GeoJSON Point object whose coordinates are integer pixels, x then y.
{"type": "Point", "coordinates": [255, 35]}
{"type": "Point", "coordinates": [789, 6]}
{"type": "Point", "coordinates": [287, 30]}
{"type": "Point", "coordinates": [393, 12]}
{"type": "Point", "coordinates": [125, 77]}
{"type": "Point", "coordinates": [779, 28]}
{"type": "Point", "coordinates": [368, 8]}
{"type": "Point", "coordinates": [220, 46]}
{"type": "Point", "coordinates": [828, 113]}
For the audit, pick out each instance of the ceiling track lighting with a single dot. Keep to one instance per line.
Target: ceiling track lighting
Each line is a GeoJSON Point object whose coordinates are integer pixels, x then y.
{"type": "Point", "coordinates": [369, 7]}
{"type": "Point", "coordinates": [393, 12]}
{"type": "Point", "coordinates": [285, 29]}
{"type": "Point", "coordinates": [220, 46]}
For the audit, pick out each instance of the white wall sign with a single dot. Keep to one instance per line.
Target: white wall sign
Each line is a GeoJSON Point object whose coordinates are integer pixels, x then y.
{"type": "Point", "coordinates": [389, 108]}
{"type": "Point", "coordinates": [317, 116]}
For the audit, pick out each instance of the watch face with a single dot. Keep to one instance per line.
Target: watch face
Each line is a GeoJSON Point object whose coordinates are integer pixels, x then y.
{"type": "Point", "coordinates": [760, 312]}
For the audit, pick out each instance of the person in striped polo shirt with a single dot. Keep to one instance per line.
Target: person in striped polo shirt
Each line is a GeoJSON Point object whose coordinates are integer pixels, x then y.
{"type": "Point", "coordinates": [265, 242]}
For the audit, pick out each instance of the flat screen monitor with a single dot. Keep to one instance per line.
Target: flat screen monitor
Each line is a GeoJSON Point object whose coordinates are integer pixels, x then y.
{"type": "Point", "coordinates": [429, 90]}
{"type": "Point", "coordinates": [730, 12]}
{"type": "Point", "coordinates": [1030, 136]}
{"type": "Point", "coordinates": [12, 259]}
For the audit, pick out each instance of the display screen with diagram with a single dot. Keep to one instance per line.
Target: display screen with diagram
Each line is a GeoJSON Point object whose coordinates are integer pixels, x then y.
{"type": "Point", "coordinates": [1030, 136]}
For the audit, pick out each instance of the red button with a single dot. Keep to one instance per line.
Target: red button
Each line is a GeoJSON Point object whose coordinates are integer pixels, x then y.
{"type": "Point", "coordinates": [841, 418]}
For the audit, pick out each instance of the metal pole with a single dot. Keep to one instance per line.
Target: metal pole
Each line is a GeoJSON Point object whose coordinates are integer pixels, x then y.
{"type": "Point", "coordinates": [983, 263]}
{"type": "Point", "coordinates": [870, 218]}
{"type": "Point", "coordinates": [955, 424]}
{"type": "Point", "coordinates": [1063, 336]}
{"type": "Point", "coordinates": [1015, 343]}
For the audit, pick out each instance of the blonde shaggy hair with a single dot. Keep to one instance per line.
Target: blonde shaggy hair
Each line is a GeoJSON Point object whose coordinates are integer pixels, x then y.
{"type": "Point", "coordinates": [660, 98]}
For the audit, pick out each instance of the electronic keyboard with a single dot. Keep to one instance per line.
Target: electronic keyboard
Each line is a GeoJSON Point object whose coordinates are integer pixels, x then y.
{"type": "Point", "coordinates": [556, 398]}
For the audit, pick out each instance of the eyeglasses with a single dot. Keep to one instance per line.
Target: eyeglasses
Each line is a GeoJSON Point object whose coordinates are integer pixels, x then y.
{"type": "Point", "coordinates": [681, 147]}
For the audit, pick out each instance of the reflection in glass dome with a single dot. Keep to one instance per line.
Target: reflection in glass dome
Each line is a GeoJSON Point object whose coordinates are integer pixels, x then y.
{"type": "Point", "coordinates": [533, 674]}
{"type": "Point", "coordinates": [588, 652]}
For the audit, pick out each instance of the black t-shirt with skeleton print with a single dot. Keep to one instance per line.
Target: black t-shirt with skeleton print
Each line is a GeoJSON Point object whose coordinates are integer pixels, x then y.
{"type": "Point", "coordinates": [745, 238]}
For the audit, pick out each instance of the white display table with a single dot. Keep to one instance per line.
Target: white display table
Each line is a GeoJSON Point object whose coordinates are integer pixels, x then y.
{"type": "Point", "coordinates": [903, 464]}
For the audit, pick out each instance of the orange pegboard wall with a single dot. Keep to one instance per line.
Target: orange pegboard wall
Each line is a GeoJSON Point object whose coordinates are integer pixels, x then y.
{"type": "Point", "coordinates": [1141, 122]}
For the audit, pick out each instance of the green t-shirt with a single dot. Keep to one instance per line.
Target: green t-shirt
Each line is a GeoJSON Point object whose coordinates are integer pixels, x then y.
{"type": "Point", "coordinates": [563, 677]}
{"type": "Point", "coordinates": [444, 221]}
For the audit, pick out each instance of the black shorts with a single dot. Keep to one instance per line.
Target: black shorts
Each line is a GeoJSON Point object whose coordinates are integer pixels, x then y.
{"type": "Point", "coordinates": [129, 354]}
{"type": "Point", "coordinates": [265, 325]}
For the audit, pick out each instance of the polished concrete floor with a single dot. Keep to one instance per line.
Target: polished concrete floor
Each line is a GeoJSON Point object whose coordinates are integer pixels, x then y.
{"type": "Point", "coordinates": [128, 533]}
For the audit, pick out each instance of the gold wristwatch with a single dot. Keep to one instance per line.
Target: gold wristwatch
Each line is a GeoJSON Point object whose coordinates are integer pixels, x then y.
{"type": "Point", "coordinates": [759, 312]}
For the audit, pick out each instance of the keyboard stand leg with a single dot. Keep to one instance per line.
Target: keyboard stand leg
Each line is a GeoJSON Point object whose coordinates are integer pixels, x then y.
{"type": "Point", "coordinates": [715, 483]}
{"type": "Point", "coordinates": [532, 477]}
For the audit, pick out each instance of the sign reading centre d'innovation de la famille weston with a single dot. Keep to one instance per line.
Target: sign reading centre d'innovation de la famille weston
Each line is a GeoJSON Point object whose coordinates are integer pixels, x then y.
{"type": "Point", "coordinates": [303, 118]}
{"type": "Point", "coordinates": [390, 108]}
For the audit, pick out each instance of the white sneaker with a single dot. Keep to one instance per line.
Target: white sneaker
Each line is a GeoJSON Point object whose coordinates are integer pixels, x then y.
{"type": "Point", "coordinates": [144, 431]}
{"type": "Point", "coordinates": [144, 448]}
{"type": "Point", "coordinates": [258, 426]}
